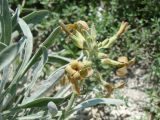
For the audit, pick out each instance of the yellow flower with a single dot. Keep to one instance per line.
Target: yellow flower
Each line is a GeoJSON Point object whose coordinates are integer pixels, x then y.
{"type": "Point", "coordinates": [122, 63]}
{"type": "Point", "coordinates": [75, 32]}
{"type": "Point", "coordinates": [110, 87]}
{"type": "Point", "coordinates": [77, 26]}
{"type": "Point", "coordinates": [122, 71]}
{"type": "Point", "coordinates": [76, 71]}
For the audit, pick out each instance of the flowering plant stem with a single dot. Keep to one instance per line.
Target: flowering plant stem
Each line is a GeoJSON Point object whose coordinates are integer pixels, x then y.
{"type": "Point", "coordinates": [71, 101]}
{"type": "Point", "coordinates": [68, 109]}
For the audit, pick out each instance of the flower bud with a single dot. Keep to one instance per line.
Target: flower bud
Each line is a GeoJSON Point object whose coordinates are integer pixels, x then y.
{"type": "Point", "coordinates": [83, 24]}
{"type": "Point", "coordinates": [121, 72]}
{"type": "Point", "coordinates": [123, 28]}
{"type": "Point", "coordinates": [109, 42]}
{"type": "Point", "coordinates": [78, 39]}
{"type": "Point", "coordinates": [112, 62]}
{"type": "Point", "coordinates": [52, 108]}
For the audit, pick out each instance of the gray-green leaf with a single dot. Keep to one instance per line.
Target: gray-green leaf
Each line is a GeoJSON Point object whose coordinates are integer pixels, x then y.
{"type": "Point", "coordinates": [47, 86]}
{"type": "Point", "coordinates": [5, 22]}
{"type": "Point", "coordinates": [10, 53]}
{"type": "Point", "coordinates": [35, 17]}
{"type": "Point", "coordinates": [96, 101]}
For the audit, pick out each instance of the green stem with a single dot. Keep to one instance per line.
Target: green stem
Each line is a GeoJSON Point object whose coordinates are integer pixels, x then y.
{"type": "Point", "coordinates": [68, 108]}
{"type": "Point", "coordinates": [71, 101]}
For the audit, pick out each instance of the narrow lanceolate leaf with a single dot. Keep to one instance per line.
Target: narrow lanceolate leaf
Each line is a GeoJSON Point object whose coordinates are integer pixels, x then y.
{"type": "Point", "coordinates": [47, 43]}
{"type": "Point", "coordinates": [35, 17]}
{"type": "Point", "coordinates": [62, 92]}
{"type": "Point", "coordinates": [29, 43]}
{"type": "Point", "coordinates": [41, 102]}
{"type": "Point", "coordinates": [96, 101]}
{"type": "Point", "coordinates": [4, 80]}
{"type": "Point", "coordinates": [37, 71]}
{"type": "Point", "coordinates": [56, 58]}
{"type": "Point", "coordinates": [27, 49]}
{"type": "Point", "coordinates": [15, 18]}
{"type": "Point", "coordinates": [47, 86]}
{"type": "Point", "coordinates": [5, 22]}
{"type": "Point", "coordinates": [36, 116]}
{"type": "Point", "coordinates": [9, 97]}
{"type": "Point", "coordinates": [1, 117]}
{"type": "Point", "coordinates": [51, 39]}
{"type": "Point", "coordinates": [10, 53]}
{"type": "Point", "coordinates": [2, 46]}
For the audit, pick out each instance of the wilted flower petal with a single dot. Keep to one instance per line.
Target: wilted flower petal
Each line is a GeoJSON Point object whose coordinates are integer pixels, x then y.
{"type": "Point", "coordinates": [70, 70]}
{"type": "Point", "coordinates": [77, 70]}
{"type": "Point", "coordinates": [76, 87]}
{"type": "Point", "coordinates": [131, 62]}
{"type": "Point", "coordinates": [121, 72]}
{"type": "Point", "coordinates": [123, 59]}
{"type": "Point", "coordinates": [109, 88]}
{"type": "Point", "coordinates": [120, 84]}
